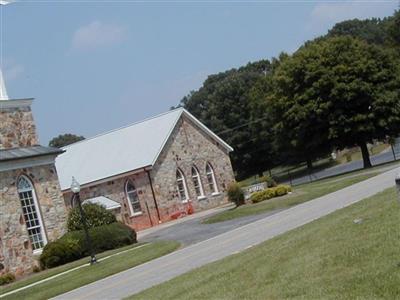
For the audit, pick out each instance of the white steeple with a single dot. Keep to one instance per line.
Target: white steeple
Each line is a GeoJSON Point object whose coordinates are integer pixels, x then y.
{"type": "Point", "coordinates": [3, 91]}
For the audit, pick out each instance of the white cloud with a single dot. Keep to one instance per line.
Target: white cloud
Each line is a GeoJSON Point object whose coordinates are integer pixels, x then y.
{"type": "Point", "coordinates": [96, 35]}
{"type": "Point", "coordinates": [325, 15]}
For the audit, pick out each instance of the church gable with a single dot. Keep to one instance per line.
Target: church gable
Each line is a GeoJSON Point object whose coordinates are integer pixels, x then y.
{"type": "Point", "coordinates": [182, 173]}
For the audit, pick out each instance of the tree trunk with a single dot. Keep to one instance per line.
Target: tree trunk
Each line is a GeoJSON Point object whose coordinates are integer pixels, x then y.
{"type": "Point", "coordinates": [309, 169]}
{"type": "Point", "coordinates": [309, 164]}
{"type": "Point", "coordinates": [394, 154]}
{"type": "Point", "coordinates": [365, 155]}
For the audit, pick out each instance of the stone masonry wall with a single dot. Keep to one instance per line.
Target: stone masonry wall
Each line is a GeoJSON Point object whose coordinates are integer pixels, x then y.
{"type": "Point", "coordinates": [17, 128]}
{"type": "Point", "coordinates": [115, 190]}
{"type": "Point", "coordinates": [16, 254]}
{"type": "Point", "coordinates": [188, 146]}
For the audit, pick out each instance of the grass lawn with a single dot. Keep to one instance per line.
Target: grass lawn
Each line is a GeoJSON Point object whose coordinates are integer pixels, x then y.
{"type": "Point", "coordinates": [301, 193]}
{"type": "Point", "coordinates": [376, 149]}
{"type": "Point", "coordinates": [330, 258]}
{"type": "Point", "coordinates": [280, 173]}
{"type": "Point", "coordinates": [88, 274]}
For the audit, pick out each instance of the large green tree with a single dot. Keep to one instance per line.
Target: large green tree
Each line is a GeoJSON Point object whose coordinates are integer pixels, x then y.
{"type": "Point", "coordinates": [373, 30]}
{"type": "Point", "coordinates": [385, 32]}
{"type": "Point", "coordinates": [393, 29]}
{"type": "Point", "coordinates": [336, 92]}
{"type": "Point", "coordinates": [65, 139]}
{"type": "Point", "coordinates": [223, 104]}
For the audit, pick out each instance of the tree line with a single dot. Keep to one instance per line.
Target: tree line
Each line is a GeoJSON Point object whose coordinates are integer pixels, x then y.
{"type": "Point", "coordinates": [338, 90]}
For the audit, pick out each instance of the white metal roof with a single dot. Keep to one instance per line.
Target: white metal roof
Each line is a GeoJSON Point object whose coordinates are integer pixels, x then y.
{"type": "Point", "coordinates": [103, 201]}
{"type": "Point", "coordinates": [122, 150]}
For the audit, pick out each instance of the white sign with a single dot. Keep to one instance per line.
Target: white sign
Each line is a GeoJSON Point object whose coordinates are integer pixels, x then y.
{"type": "Point", "coordinates": [254, 188]}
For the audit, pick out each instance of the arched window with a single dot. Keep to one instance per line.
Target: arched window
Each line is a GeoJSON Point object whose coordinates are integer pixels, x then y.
{"type": "Point", "coordinates": [181, 184]}
{"type": "Point", "coordinates": [31, 212]}
{"type": "Point", "coordinates": [133, 198]}
{"type": "Point", "coordinates": [198, 187]}
{"type": "Point", "coordinates": [212, 182]}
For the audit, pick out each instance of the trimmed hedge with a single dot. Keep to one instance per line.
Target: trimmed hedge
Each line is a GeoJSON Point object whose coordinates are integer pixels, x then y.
{"type": "Point", "coordinates": [269, 193]}
{"type": "Point", "coordinates": [6, 278]}
{"type": "Point", "coordinates": [72, 245]}
{"type": "Point", "coordinates": [96, 215]}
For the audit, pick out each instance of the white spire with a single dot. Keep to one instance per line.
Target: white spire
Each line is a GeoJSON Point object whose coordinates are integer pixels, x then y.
{"type": "Point", "coordinates": [3, 91]}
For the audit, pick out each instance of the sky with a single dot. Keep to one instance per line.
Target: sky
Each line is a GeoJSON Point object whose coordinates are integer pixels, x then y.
{"type": "Point", "coordinates": [93, 66]}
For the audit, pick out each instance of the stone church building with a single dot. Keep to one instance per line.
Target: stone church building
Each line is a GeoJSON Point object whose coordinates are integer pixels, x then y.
{"type": "Point", "coordinates": [152, 171]}
{"type": "Point", "coordinates": [147, 173]}
{"type": "Point", "coordinates": [32, 209]}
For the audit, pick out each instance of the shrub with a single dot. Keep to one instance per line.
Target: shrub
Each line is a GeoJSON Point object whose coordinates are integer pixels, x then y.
{"type": "Point", "coordinates": [263, 195]}
{"type": "Point", "coordinates": [6, 278]}
{"type": "Point", "coordinates": [269, 193]}
{"type": "Point", "coordinates": [73, 246]}
{"type": "Point", "coordinates": [281, 190]}
{"type": "Point", "coordinates": [235, 194]}
{"type": "Point", "coordinates": [269, 180]}
{"type": "Point", "coordinates": [257, 197]}
{"type": "Point", "coordinates": [36, 269]}
{"type": "Point", "coordinates": [96, 215]}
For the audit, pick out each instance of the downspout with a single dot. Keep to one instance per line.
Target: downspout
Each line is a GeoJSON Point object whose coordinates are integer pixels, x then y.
{"type": "Point", "coordinates": [154, 196]}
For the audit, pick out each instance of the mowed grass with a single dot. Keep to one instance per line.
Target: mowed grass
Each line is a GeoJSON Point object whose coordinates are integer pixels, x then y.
{"type": "Point", "coordinates": [301, 193]}
{"type": "Point", "coordinates": [330, 258]}
{"type": "Point", "coordinates": [88, 274]}
{"type": "Point", "coordinates": [376, 149]}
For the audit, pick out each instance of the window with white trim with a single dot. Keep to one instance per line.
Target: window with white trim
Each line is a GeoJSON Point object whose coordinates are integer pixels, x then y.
{"type": "Point", "coordinates": [198, 187]}
{"type": "Point", "coordinates": [181, 185]}
{"type": "Point", "coordinates": [133, 198]}
{"type": "Point", "coordinates": [31, 212]}
{"type": "Point", "coordinates": [212, 182]}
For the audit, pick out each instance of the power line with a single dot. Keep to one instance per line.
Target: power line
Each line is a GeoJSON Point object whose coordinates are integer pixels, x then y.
{"type": "Point", "coordinates": [242, 125]}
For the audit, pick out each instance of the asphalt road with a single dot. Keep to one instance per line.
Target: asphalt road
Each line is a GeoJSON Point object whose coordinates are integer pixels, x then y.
{"type": "Point", "coordinates": [193, 231]}
{"type": "Point", "coordinates": [234, 241]}
{"type": "Point", "coordinates": [345, 168]}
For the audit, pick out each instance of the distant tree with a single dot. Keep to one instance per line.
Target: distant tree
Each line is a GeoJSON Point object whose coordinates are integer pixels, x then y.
{"type": "Point", "coordinates": [373, 31]}
{"type": "Point", "coordinates": [223, 104]}
{"type": "Point", "coordinates": [336, 92]}
{"type": "Point", "coordinates": [393, 29]}
{"type": "Point", "coordinates": [64, 140]}
{"type": "Point", "coordinates": [262, 120]}
{"type": "Point", "coordinates": [385, 32]}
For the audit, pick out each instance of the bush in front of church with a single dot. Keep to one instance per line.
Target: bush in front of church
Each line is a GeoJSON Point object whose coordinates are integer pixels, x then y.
{"type": "Point", "coordinates": [96, 215]}
{"type": "Point", "coordinates": [73, 246]}
{"type": "Point", "coordinates": [6, 278]}
{"type": "Point", "coordinates": [235, 194]}
{"type": "Point", "coordinates": [270, 193]}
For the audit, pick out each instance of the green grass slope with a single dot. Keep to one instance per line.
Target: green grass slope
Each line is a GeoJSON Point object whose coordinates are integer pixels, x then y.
{"type": "Point", "coordinates": [330, 258]}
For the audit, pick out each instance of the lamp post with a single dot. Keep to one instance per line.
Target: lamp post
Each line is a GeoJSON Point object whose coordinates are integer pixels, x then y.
{"type": "Point", "coordinates": [76, 188]}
